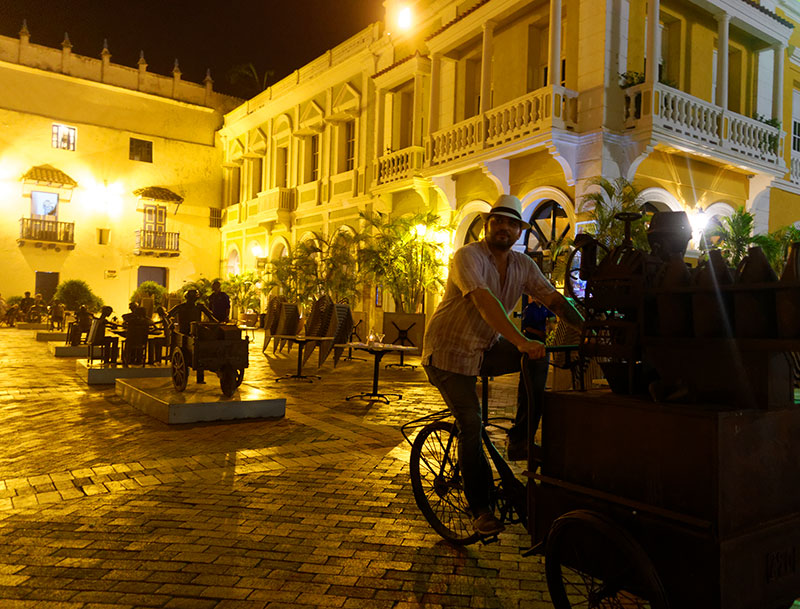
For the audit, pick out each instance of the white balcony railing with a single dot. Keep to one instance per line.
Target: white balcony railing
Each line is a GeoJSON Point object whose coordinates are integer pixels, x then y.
{"type": "Point", "coordinates": [282, 199]}
{"type": "Point", "coordinates": [696, 121]}
{"type": "Point", "coordinates": [537, 112]}
{"type": "Point", "coordinates": [794, 173]}
{"type": "Point", "coordinates": [400, 165]}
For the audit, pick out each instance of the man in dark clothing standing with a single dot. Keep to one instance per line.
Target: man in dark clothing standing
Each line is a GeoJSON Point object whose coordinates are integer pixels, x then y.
{"type": "Point", "coordinates": [220, 302]}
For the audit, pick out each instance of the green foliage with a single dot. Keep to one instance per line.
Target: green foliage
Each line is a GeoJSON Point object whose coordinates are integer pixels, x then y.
{"type": "Point", "coordinates": [245, 80]}
{"type": "Point", "coordinates": [405, 256]}
{"type": "Point", "coordinates": [76, 292]}
{"type": "Point", "coordinates": [332, 262]}
{"type": "Point", "coordinates": [783, 237]}
{"type": "Point", "coordinates": [295, 276]}
{"type": "Point", "coordinates": [202, 285]}
{"type": "Point", "coordinates": [242, 289]}
{"type": "Point", "coordinates": [614, 197]}
{"type": "Point", "coordinates": [150, 289]}
{"type": "Point", "coordinates": [14, 300]}
{"type": "Point", "coordinates": [630, 79]}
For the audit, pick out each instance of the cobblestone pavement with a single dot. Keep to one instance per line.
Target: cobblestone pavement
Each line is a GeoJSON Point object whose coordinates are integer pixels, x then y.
{"type": "Point", "coordinates": [102, 506]}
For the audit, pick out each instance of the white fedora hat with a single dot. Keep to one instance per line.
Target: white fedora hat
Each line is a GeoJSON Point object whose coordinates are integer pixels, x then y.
{"type": "Point", "coordinates": [509, 206]}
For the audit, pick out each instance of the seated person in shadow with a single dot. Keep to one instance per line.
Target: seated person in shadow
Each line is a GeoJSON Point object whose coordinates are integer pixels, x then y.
{"type": "Point", "coordinates": [137, 327]}
{"type": "Point", "coordinates": [187, 312]}
{"type": "Point", "coordinates": [111, 342]}
{"type": "Point", "coordinates": [127, 317]}
{"type": "Point", "coordinates": [81, 326]}
{"type": "Point", "coordinates": [56, 316]}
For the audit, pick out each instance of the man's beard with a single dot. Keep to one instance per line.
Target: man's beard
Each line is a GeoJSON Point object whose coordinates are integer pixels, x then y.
{"type": "Point", "coordinates": [501, 243]}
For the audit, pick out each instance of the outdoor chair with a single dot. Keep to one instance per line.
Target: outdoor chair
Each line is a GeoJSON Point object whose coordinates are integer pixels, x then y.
{"type": "Point", "coordinates": [288, 324]}
{"type": "Point", "coordinates": [96, 340]}
{"type": "Point", "coordinates": [319, 322]}
{"type": "Point", "coordinates": [134, 348]}
{"type": "Point", "coordinates": [344, 329]}
{"type": "Point", "coordinates": [249, 324]}
{"type": "Point", "coordinates": [405, 329]}
{"type": "Point", "coordinates": [272, 318]}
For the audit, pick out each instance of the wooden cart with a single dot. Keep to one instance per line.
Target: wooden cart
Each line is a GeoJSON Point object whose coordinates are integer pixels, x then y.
{"type": "Point", "coordinates": [639, 504]}
{"type": "Point", "coordinates": [218, 348]}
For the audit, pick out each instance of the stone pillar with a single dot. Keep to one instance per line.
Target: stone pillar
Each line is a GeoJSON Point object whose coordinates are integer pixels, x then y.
{"type": "Point", "coordinates": [778, 51]}
{"type": "Point", "coordinates": [416, 122]}
{"type": "Point", "coordinates": [433, 100]}
{"type": "Point", "coordinates": [24, 41]}
{"type": "Point", "coordinates": [486, 65]}
{"type": "Point", "coordinates": [66, 53]}
{"type": "Point", "coordinates": [176, 78]}
{"type": "Point", "coordinates": [105, 58]}
{"type": "Point", "coordinates": [653, 42]}
{"type": "Point", "coordinates": [723, 23]}
{"type": "Point", "coordinates": [142, 63]}
{"type": "Point", "coordinates": [554, 63]}
{"type": "Point", "coordinates": [380, 126]}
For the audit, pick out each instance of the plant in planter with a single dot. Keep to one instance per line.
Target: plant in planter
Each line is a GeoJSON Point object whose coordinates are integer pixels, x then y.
{"type": "Point", "coordinates": [734, 235]}
{"type": "Point", "coordinates": [150, 289]}
{"type": "Point", "coordinates": [613, 197]}
{"type": "Point", "coordinates": [630, 79]}
{"type": "Point", "coordinates": [405, 254]}
{"type": "Point", "coordinates": [331, 261]}
{"type": "Point", "coordinates": [76, 292]}
{"type": "Point", "coordinates": [243, 291]}
{"type": "Point", "coordinates": [202, 285]}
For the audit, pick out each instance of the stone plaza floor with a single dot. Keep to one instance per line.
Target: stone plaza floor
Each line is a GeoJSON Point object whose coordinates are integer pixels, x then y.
{"type": "Point", "coordinates": [102, 506]}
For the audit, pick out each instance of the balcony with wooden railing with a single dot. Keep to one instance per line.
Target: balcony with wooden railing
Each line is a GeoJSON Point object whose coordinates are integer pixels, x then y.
{"type": "Point", "coordinates": [532, 115]}
{"type": "Point", "coordinates": [689, 122]}
{"type": "Point", "coordinates": [48, 234]}
{"type": "Point", "coordinates": [157, 243]}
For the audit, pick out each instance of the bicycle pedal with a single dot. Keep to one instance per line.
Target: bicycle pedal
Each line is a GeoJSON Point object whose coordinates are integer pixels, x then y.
{"type": "Point", "coordinates": [487, 539]}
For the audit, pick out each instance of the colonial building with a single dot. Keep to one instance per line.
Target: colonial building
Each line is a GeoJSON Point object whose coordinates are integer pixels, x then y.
{"type": "Point", "coordinates": [449, 103]}
{"type": "Point", "coordinates": [108, 173]}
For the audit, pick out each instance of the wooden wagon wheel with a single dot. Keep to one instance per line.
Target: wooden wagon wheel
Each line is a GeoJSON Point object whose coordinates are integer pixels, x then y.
{"type": "Point", "coordinates": [239, 376]}
{"type": "Point", "coordinates": [180, 373]}
{"type": "Point", "coordinates": [227, 380]}
{"type": "Point", "coordinates": [592, 562]}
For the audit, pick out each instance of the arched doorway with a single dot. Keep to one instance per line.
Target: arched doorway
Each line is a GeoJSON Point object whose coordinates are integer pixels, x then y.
{"type": "Point", "coordinates": [233, 265]}
{"type": "Point", "coordinates": [546, 239]}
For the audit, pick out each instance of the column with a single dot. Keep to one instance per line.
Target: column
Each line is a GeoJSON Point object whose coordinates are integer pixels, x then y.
{"type": "Point", "coordinates": [778, 51]}
{"type": "Point", "coordinates": [554, 66]}
{"type": "Point", "coordinates": [653, 42]}
{"type": "Point", "coordinates": [723, 23]}
{"type": "Point", "coordinates": [380, 122]}
{"type": "Point", "coordinates": [433, 102]}
{"type": "Point", "coordinates": [486, 65]}
{"type": "Point", "coordinates": [416, 136]}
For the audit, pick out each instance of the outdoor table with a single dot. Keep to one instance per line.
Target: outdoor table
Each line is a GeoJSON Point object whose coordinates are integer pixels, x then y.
{"type": "Point", "coordinates": [151, 334]}
{"type": "Point", "coordinates": [378, 350]}
{"type": "Point", "coordinates": [301, 343]}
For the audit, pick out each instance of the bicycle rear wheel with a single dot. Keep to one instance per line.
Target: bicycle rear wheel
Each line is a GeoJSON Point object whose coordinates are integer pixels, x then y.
{"type": "Point", "coordinates": [437, 484]}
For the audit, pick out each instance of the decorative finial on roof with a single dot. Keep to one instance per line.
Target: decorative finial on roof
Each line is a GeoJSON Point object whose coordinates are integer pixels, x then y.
{"type": "Point", "coordinates": [66, 44]}
{"type": "Point", "coordinates": [176, 69]}
{"type": "Point", "coordinates": [208, 76]}
{"type": "Point", "coordinates": [105, 50]}
{"type": "Point", "coordinates": [24, 31]}
{"type": "Point", "coordinates": [142, 60]}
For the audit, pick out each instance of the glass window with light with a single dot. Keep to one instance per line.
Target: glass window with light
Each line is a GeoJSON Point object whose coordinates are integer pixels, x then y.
{"type": "Point", "coordinates": [349, 145]}
{"type": "Point", "coordinates": [64, 137]}
{"type": "Point", "coordinates": [140, 150]}
{"type": "Point", "coordinates": [44, 204]}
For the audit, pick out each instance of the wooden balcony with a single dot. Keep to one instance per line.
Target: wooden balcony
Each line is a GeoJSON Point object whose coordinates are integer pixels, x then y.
{"type": "Point", "coordinates": [662, 113]}
{"type": "Point", "coordinates": [47, 234]}
{"type": "Point", "coordinates": [534, 114]}
{"type": "Point", "coordinates": [157, 243]}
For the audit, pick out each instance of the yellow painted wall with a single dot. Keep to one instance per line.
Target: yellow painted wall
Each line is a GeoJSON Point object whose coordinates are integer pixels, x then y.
{"type": "Point", "coordinates": [534, 170]}
{"type": "Point", "coordinates": [784, 209]}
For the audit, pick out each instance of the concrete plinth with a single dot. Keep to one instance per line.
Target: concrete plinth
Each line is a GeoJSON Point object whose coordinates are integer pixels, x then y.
{"type": "Point", "coordinates": [158, 399]}
{"type": "Point", "coordinates": [62, 350]}
{"type": "Point", "coordinates": [51, 336]}
{"type": "Point", "coordinates": [26, 325]}
{"type": "Point", "coordinates": [104, 374]}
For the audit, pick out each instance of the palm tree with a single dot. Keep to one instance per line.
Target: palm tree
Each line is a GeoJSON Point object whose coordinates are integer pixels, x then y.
{"type": "Point", "coordinates": [784, 236]}
{"type": "Point", "coordinates": [295, 276]}
{"type": "Point", "coordinates": [246, 81]}
{"type": "Point", "coordinates": [405, 254]}
{"type": "Point", "coordinates": [333, 259]}
{"type": "Point", "coordinates": [734, 235]}
{"type": "Point", "coordinates": [615, 196]}
{"type": "Point", "coordinates": [242, 290]}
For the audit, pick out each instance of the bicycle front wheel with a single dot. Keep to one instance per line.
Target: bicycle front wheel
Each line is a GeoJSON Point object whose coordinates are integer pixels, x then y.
{"type": "Point", "coordinates": [437, 483]}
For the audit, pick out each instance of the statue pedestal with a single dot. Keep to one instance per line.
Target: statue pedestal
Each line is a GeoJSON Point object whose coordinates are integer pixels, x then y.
{"type": "Point", "coordinates": [59, 349]}
{"type": "Point", "coordinates": [158, 399]}
{"type": "Point", "coordinates": [54, 336]}
{"type": "Point", "coordinates": [104, 374]}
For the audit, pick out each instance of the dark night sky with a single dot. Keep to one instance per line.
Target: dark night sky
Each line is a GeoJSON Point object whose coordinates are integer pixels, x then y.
{"type": "Point", "coordinates": [279, 35]}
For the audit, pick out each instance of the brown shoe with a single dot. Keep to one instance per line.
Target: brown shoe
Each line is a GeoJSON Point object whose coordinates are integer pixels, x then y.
{"type": "Point", "coordinates": [486, 524]}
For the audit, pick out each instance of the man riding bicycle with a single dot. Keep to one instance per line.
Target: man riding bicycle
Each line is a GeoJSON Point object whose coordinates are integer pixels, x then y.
{"type": "Point", "coordinates": [470, 333]}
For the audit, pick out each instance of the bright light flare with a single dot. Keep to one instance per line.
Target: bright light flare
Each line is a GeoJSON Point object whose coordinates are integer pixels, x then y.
{"type": "Point", "coordinates": [104, 197]}
{"type": "Point", "coordinates": [699, 220]}
{"type": "Point", "coordinates": [405, 18]}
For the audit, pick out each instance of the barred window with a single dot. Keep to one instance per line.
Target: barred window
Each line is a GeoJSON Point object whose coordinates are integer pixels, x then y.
{"type": "Point", "coordinates": [215, 217]}
{"type": "Point", "coordinates": [141, 150]}
{"type": "Point", "coordinates": [64, 137]}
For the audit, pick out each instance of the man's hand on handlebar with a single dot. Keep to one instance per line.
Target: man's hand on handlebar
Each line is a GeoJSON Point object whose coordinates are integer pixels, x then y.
{"type": "Point", "coordinates": [533, 349]}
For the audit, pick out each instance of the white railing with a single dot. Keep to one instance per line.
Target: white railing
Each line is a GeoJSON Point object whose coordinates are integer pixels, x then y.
{"type": "Point", "coordinates": [539, 111]}
{"type": "Point", "coordinates": [399, 165]}
{"type": "Point", "coordinates": [701, 122]}
{"type": "Point", "coordinates": [277, 199]}
{"type": "Point", "coordinates": [794, 174]}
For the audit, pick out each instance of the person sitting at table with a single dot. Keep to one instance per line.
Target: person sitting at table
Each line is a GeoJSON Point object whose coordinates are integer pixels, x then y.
{"type": "Point", "coordinates": [133, 308]}
{"type": "Point", "coordinates": [57, 316]}
{"type": "Point", "coordinates": [137, 327]}
{"type": "Point", "coordinates": [111, 343]}
{"type": "Point", "coordinates": [81, 325]}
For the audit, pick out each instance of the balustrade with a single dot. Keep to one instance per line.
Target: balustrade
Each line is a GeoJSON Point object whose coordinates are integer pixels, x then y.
{"type": "Point", "coordinates": [157, 241]}
{"type": "Point", "coordinates": [399, 165]}
{"type": "Point", "coordinates": [41, 229]}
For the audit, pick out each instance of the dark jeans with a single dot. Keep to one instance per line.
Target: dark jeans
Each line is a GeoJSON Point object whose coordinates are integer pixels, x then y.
{"type": "Point", "coordinates": [460, 395]}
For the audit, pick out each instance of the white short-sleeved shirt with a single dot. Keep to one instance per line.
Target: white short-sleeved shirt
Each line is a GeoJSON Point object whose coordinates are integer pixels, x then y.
{"type": "Point", "coordinates": [457, 335]}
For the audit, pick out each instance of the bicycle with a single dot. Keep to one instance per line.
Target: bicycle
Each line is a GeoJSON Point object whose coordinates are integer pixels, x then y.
{"type": "Point", "coordinates": [436, 477]}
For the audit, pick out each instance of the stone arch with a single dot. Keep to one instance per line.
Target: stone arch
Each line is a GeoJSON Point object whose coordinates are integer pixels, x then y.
{"type": "Point", "coordinates": [468, 214]}
{"type": "Point", "coordinates": [279, 247]}
{"type": "Point", "coordinates": [663, 199]}
{"type": "Point", "coordinates": [233, 261]}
